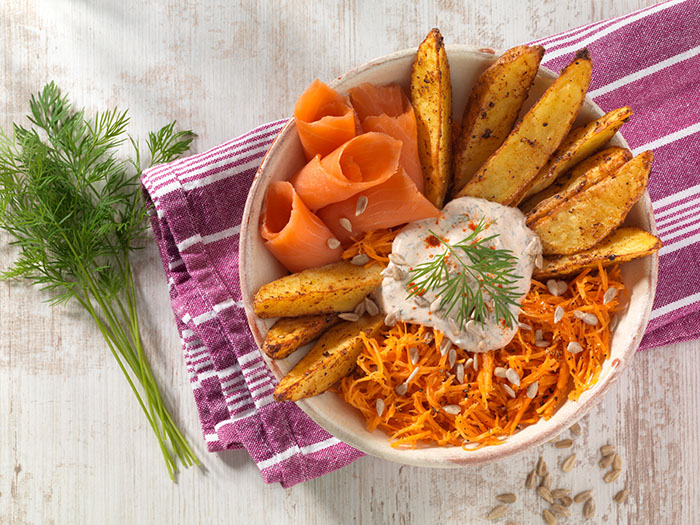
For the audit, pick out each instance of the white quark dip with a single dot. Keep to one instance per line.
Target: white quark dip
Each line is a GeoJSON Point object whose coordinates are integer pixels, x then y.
{"type": "Point", "coordinates": [416, 245]}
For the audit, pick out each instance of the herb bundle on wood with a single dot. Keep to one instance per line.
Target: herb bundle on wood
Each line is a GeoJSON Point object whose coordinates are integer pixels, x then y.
{"type": "Point", "coordinates": [75, 212]}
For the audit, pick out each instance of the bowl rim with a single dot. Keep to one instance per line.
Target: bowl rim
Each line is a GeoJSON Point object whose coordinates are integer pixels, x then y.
{"type": "Point", "coordinates": [408, 456]}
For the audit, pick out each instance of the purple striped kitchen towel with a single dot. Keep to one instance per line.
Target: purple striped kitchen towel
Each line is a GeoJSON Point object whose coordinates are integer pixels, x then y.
{"type": "Point", "coordinates": [649, 60]}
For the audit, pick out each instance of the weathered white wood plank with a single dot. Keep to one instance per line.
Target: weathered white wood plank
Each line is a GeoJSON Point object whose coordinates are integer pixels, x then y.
{"type": "Point", "coordinates": [74, 447]}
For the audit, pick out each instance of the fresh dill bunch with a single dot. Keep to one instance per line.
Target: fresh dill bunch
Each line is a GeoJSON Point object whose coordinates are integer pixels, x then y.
{"type": "Point", "coordinates": [75, 213]}
{"type": "Point", "coordinates": [471, 277]}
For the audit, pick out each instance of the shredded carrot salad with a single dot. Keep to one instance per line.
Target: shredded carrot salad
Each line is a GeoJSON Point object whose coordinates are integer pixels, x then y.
{"type": "Point", "coordinates": [375, 244]}
{"type": "Point", "coordinates": [488, 413]}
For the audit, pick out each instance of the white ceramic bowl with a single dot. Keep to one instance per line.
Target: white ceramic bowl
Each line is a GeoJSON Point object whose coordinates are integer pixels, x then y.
{"type": "Point", "coordinates": [257, 267]}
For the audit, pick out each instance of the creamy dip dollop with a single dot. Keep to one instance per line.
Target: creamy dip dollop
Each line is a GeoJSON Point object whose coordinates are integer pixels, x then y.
{"type": "Point", "coordinates": [416, 245]}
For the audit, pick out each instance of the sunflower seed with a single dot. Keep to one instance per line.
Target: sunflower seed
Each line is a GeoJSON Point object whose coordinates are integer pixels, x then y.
{"type": "Point", "coordinates": [360, 259]}
{"type": "Point", "coordinates": [469, 325]}
{"type": "Point", "coordinates": [607, 450]}
{"type": "Point", "coordinates": [589, 508]}
{"type": "Point", "coordinates": [435, 305]}
{"type": "Point", "coordinates": [333, 243]}
{"type": "Point", "coordinates": [558, 314]}
{"type": "Point", "coordinates": [561, 510]}
{"type": "Point", "coordinates": [538, 335]}
{"type": "Point", "coordinates": [562, 287]}
{"type": "Point", "coordinates": [546, 480]}
{"type": "Point", "coordinates": [508, 497]}
{"type": "Point", "coordinates": [569, 463]}
{"type": "Point", "coordinates": [360, 308]}
{"type": "Point", "coordinates": [445, 346]}
{"type": "Point", "coordinates": [453, 326]}
{"type": "Point", "coordinates": [611, 476]}
{"type": "Point", "coordinates": [621, 496]}
{"type": "Point", "coordinates": [499, 371]}
{"type": "Point", "coordinates": [428, 338]}
{"type": "Point", "coordinates": [613, 323]}
{"type": "Point", "coordinates": [397, 258]}
{"type": "Point", "coordinates": [560, 493]}
{"type": "Point", "coordinates": [361, 205]}
{"type": "Point", "coordinates": [541, 467]}
{"type": "Point", "coordinates": [590, 319]}
{"type": "Point", "coordinates": [513, 377]}
{"type": "Point", "coordinates": [452, 409]}
{"type": "Point", "coordinates": [543, 492]}
{"type": "Point", "coordinates": [481, 346]}
{"type": "Point", "coordinates": [401, 389]}
{"type": "Point", "coordinates": [452, 357]}
{"type": "Point", "coordinates": [379, 405]}
{"type": "Point", "coordinates": [371, 306]}
{"type": "Point", "coordinates": [397, 273]}
{"type": "Point", "coordinates": [609, 295]}
{"type": "Point", "coordinates": [497, 512]}
{"type": "Point", "coordinates": [532, 390]}
{"type": "Point", "coordinates": [475, 364]}
{"type": "Point", "coordinates": [583, 496]}
{"type": "Point", "coordinates": [412, 375]}
{"type": "Point", "coordinates": [617, 462]}
{"type": "Point", "coordinates": [525, 326]}
{"type": "Point", "coordinates": [531, 480]}
{"type": "Point", "coordinates": [386, 271]}
{"type": "Point", "coordinates": [539, 261]}
{"type": "Point", "coordinates": [460, 373]}
{"type": "Point", "coordinates": [391, 318]}
{"type": "Point", "coordinates": [413, 355]}
{"type": "Point", "coordinates": [605, 461]}
{"type": "Point", "coordinates": [553, 287]}
{"type": "Point", "coordinates": [509, 391]}
{"type": "Point", "coordinates": [574, 348]}
{"type": "Point", "coordinates": [549, 518]}
{"type": "Point", "coordinates": [349, 316]}
{"type": "Point", "coordinates": [578, 314]}
{"type": "Point", "coordinates": [421, 301]}
{"type": "Point", "coordinates": [566, 501]}
{"type": "Point", "coordinates": [542, 344]}
{"type": "Point", "coordinates": [564, 443]}
{"type": "Point", "coordinates": [469, 363]}
{"type": "Point", "coordinates": [575, 429]}
{"type": "Point", "coordinates": [345, 223]}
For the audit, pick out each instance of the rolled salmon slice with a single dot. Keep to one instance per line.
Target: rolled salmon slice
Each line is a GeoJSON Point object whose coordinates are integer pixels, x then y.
{"type": "Point", "coordinates": [370, 100]}
{"type": "Point", "coordinates": [395, 202]}
{"type": "Point", "coordinates": [364, 161]}
{"type": "Point", "coordinates": [324, 119]}
{"type": "Point", "coordinates": [293, 234]}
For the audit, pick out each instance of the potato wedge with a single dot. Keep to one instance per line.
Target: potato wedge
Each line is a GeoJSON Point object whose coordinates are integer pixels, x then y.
{"type": "Point", "coordinates": [583, 176]}
{"type": "Point", "coordinates": [622, 245]}
{"type": "Point", "coordinates": [510, 172]}
{"type": "Point", "coordinates": [337, 287]}
{"type": "Point", "coordinates": [289, 334]}
{"type": "Point", "coordinates": [332, 358]}
{"type": "Point", "coordinates": [493, 107]}
{"type": "Point", "coordinates": [592, 214]}
{"type": "Point", "coordinates": [579, 144]}
{"type": "Point", "coordinates": [431, 96]}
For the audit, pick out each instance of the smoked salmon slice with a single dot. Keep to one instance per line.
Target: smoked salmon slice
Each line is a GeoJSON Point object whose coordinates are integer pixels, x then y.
{"type": "Point", "coordinates": [324, 119]}
{"type": "Point", "coordinates": [395, 202]}
{"type": "Point", "coordinates": [293, 234]}
{"type": "Point", "coordinates": [370, 100]}
{"type": "Point", "coordinates": [362, 162]}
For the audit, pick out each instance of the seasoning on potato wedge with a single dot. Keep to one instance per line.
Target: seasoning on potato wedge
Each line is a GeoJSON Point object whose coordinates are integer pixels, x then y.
{"type": "Point", "coordinates": [592, 214]}
{"type": "Point", "coordinates": [579, 144]}
{"type": "Point", "coordinates": [492, 109]}
{"type": "Point", "coordinates": [583, 176]}
{"type": "Point", "coordinates": [289, 334]}
{"type": "Point", "coordinates": [332, 357]}
{"type": "Point", "coordinates": [624, 244]}
{"type": "Point", "coordinates": [336, 287]}
{"type": "Point", "coordinates": [431, 96]}
{"type": "Point", "coordinates": [509, 173]}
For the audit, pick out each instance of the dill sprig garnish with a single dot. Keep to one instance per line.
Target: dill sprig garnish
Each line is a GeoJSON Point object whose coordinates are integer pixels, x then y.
{"type": "Point", "coordinates": [75, 213]}
{"type": "Point", "coordinates": [470, 276]}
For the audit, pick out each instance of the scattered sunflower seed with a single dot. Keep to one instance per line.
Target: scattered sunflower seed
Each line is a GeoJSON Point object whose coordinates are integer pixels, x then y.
{"type": "Point", "coordinates": [435, 305]}
{"type": "Point", "coordinates": [397, 258]}
{"type": "Point", "coordinates": [611, 476]}
{"type": "Point", "coordinates": [613, 323]}
{"type": "Point", "coordinates": [379, 405]}
{"type": "Point", "coordinates": [531, 480]}
{"type": "Point", "coordinates": [569, 463]}
{"type": "Point", "coordinates": [621, 496]}
{"type": "Point", "coordinates": [605, 461]}
{"type": "Point", "coordinates": [525, 326]}
{"type": "Point", "coordinates": [421, 301]}
{"type": "Point", "coordinates": [542, 344]}
{"type": "Point", "coordinates": [401, 389]}
{"type": "Point", "coordinates": [574, 348]}
{"type": "Point", "coordinates": [413, 355]}
{"type": "Point", "coordinates": [509, 391]}
{"type": "Point", "coordinates": [553, 287]}
{"type": "Point", "coordinates": [360, 308]}
{"type": "Point", "coordinates": [546, 481]}
{"type": "Point", "coordinates": [499, 371]}
{"type": "Point", "coordinates": [508, 497]}
{"type": "Point", "coordinates": [497, 512]}
{"type": "Point", "coordinates": [607, 450]}
{"type": "Point", "coordinates": [538, 335]}
{"type": "Point", "coordinates": [349, 316]}
{"type": "Point", "coordinates": [453, 325]}
{"type": "Point", "coordinates": [397, 273]}
{"type": "Point", "coordinates": [558, 314]}
{"type": "Point", "coordinates": [564, 443]}
{"type": "Point", "coordinates": [589, 508]}
{"type": "Point", "coordinates": [469, 363]}
{"type": "Point", "coordinates": [333, 243]}
{"type": "Point", "coordinates": [460, 372]}
{"type": "Point", "coordinates": [549, 517]}
{"type": "Point", "coordinates": [360, 259]}
{"type": "Point", "coordinates": [361, 205]}
{"type": "Point", "coordinates": [391, 318]}
{"type": "Point", "coordinates": [562, 287]}
{"type": "Point", "coordinates": [452, 409]}
{"type": "Point", "coordinates": [428, 338]}
{"type": "Point", "coordinates": [561, 510]}
{"type": "Point", "coordinates": [583, 496]}
{"type": "Point", "coordinates": [371, 306]}
{"type": "Point", "coordinates": [475, 364]}
{"type": "Point", "coordinates": [609, 295]}
{"type": "Point", "coordinates": [513, 377]}
{"type": "Point", "coordinates": [560, 493]}
{"type": "Point", "coordinates": [532, 390]}
{"type": "Point", "coordinates": [617, 462]}
{"type": "Point", "coordinates": [541, 467]}
{"type": "Point", "coordinates": [539, 261]}
{"type": "Point", "coordinates": [575, 429]}
{"type": "Point", "coordinates": [578, 314]}
{"type": "Point", "coordinates": [566, 501]}
{"type": "Point", "coordinates": [590, 319]}
{"type": "Point", "coordinates": [544, 493]}
{"type": "Point", "coordinates": [412, 375]}
{"type": "Point", "coordinates": [345, 223]}
{"type": "Point", "coordinates": [445, 346]}
{"type": "Point", "coordinates": [452, 357]}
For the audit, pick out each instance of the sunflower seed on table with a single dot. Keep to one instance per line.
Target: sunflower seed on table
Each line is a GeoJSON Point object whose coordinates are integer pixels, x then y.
{"type": "Point", "coordinates": [561, 510]}
{"type": "Point", "coordinates": [360, 259]}
{"type": "Point", "coordinates": [513, 377]}
{"type": "Point", "coordinates": [361, 205]}
{"type": "Point", "coordinates": [589, 508]}
{"type": "Point", "coordinates": [575, 429]}
{"type": "Point", "coordinates": [452, 357]}
{"type": "Point", "coordinates": [460, 373]}
{"type": "Point", "coordinates": [562, 287]}
{"type": "Point", "coordinates": [574, 348]}
{"type": "Point", "coordinates": [583, 496]}
{"type": "Point", "coordinates": [569, 463]}
{"type": "Point", "coordinates": [413, 355]}
{"type": "Point", "coordinates": [397, 273]}
{"type": "Point", "coordinates": [605, 461]}
{"type": "Point", "coordinates": [531, 480]}
{"type": "Point", "coordinates": [371, 306]}
{"type": "Point", "coordinates": [333, 243]}
{"type": "Point", "coordinates": [607, 450]}
{"type": "Point", "coordinates": [621, 496]}
{"type": "Point", "coordinates": [421, 301]}
{"type": "Point", "coordinates": [542, 344]}
{"type": "Point", "coordinates": [509, 391]}
{"type": "Point", "coordinates": [435, 305]}
{"type": "Point", "coordinates": [544, 493]}
{"type": "Point", "coordinates": [546, 480]}
{"type": "Point", "coordinates": [541, 467]}
{"type": "Point", "coordinates": [560, 493]}
{"type": "Point", "coordinates": [360, 308]}
{"type": "Point", "coordinates": [611, 476]}
{"type": "Point", "coordinates": [609, 295]}
{"type": "Point", "coordinates": [507, 497]}
{"type": "Point", "coordinates": [452, 409]}
{"type": "Point", "coordinates": [379, 405]}
{"type": "Point", "coordinates": [564, 443]}
{"type": "Point", "coordinates": [590, 319]}
{"type": "Point", "coordinates": [349, 316]}
{"type": "Point", "coordinates": [401, 389]}
{"type": "Point", "coordinates": [558, 314]}
{"type": "Point", "coordinates": [412, 375]}
{"type": "Point", "coordinates": [566, 501]}
{"type": "Point", "coordinates": [549, 517]}
{"type": "Point", "coordinates": [553, 287]}
{"type": "Point", "coordinates": [525, 326]}
{"type": "Point", "coordinates": [617, 462]}
{"type": "Point", "coordinates": [532, 390]}
{"type": "Point", "coordinates": [397, 258]}
{"type": "Point", "coordinates": [391, 318]}
{"type": "Point", "coordinates": [539, 261]}
{"type": "Point", "coordinates": [497, 512]}
{"type": "Point", "coordinates": [499, 371]}
{"type": "Point", "coordinates": [346, 224]}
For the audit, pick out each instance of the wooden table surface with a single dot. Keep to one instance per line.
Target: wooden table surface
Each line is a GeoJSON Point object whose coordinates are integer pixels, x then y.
{"type": "Point", "coordinates": [74, 446]}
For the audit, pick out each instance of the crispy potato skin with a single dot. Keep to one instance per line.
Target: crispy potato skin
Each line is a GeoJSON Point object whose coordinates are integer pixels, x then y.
{"type": "Point", "coordinates": [431, 96]}
{"type": "Point", "coordinates": [578, 145]}
{"type": "Point", "coordinates": [337, 287]}
{"type": "Point", "coordinates": [583, 176]}
{"type": "Point", "coordinates": [333, 357]}
{"type": "Point", "coordinates": [624, 244]}
{"type": "Point", "coordinates": [590, 215]}
{"type": "Point", "coordinates": [492, 109]}
{"type": "Point", "coordinates": [510, 172]}
{"type": "Point", "coordinates": [288, 334]}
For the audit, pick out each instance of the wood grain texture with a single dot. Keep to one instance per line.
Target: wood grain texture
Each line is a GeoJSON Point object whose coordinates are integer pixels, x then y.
{"type": "Point", "coordinates": [74, 447]}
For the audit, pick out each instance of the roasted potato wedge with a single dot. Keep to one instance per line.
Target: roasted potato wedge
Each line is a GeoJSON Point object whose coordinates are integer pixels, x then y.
{"type": "Point", "coordinates": [333, 357]}
{"type": "Point", "coordinates": [493, 107]}
{"type": "Point", "coordinates": [622, 245]}
{"type": "Point", "coordinates": [337, 287]}
{"type": "Point", "coordinates": [510, 172]}
{"type": "Point", "coordinates": [579, 144]}
{"type": "Point", "coordinates": [582, 177]}
{"type": "Point", "coordinates": [592, 214]}
{"type": "Point", "coordinates": [431, 96]}
{"type": "Point", "coordinates": [289, 334]}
